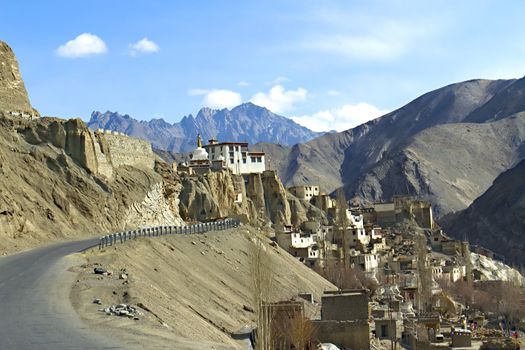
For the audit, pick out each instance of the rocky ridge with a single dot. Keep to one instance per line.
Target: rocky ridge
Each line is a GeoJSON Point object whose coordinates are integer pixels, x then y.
{"type": "Point", "coordinates": [247, 122]}
{"type": "Point", "coordinates": [13, 93]}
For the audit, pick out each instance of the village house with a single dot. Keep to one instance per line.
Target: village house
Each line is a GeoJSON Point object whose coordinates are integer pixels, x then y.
{"type": "Point", "coordinates": [453, 272]}
{"type": "Point", "coordinates": [357, 233]}
{"type": "Point", "coordinates": [402, 207]}
{"type": "Point", "coordinates": [323, 202]}
{"type": "Point", "coordinates": [305, 192]}
{"type": "Point", "coordinates": [387, 316]}
{"type": "Point", "coordinates": [302, 245]}
{"type": "Point", "coordinates": [236, 156]}
{"type": "Point", "coordinates": [344, 319]}
{"type": "Point", "coordinates": [367, 262]}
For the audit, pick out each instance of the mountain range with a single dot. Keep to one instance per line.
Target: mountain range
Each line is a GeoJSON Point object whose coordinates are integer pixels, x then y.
{"type": "Point", "coordinates": [246, 122]}
{"type": "Point", "coordinates": [447, 146]}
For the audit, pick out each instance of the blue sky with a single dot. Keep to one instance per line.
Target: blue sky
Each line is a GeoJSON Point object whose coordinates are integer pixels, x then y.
{"type": "Point", "coordinates": [327, 64]}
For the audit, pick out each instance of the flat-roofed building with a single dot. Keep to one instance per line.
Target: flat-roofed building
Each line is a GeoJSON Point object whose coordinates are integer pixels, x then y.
{"type": "Point", "coordinates": [305, 192]}
{"type": "Point", "coordinates": [236, 156]}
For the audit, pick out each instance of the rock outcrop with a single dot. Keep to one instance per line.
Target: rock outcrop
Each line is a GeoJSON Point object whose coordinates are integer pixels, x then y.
{"type": "Point", "coordinates": [50, 189]}
{"type": "Point", "coordinates": [154, 210]}
{"type": "Point", "coordinates": [13, 93]}
{"type": "Point", "coordinates": [257, 199]}
{"type": "Point", "coordinates": [98, 152]}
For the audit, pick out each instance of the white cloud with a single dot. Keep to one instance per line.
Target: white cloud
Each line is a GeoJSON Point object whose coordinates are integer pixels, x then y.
{"type": "Point", "coordinates": [382, 42]}
{"type": "Point", "coordinates": [279, 80]}
{"type": "Point", "coordinates": [346, 117]}
{"type": "Point", "coordinates": [363, 48]}
{"type": "Point", "coordinates": [143, 46]}
{"type": "Point", "coordinates": [333, 93]}
{"type": "Point", "coordinates": [85, 44]}
{"type": "Point", "coordinates": [217, 98]}
{"type": "Point", "coordinates": [278, 99]}
{"type": "Point", "coordinates": [243, 83]}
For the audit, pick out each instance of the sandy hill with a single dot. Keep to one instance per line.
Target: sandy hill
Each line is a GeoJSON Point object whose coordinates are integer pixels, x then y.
{"type": "Point", "coordinates": [197, 287]}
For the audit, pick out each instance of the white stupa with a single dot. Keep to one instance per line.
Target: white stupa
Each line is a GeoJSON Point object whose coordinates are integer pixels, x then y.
{"type": "Point", "coordinates": [199, 153]}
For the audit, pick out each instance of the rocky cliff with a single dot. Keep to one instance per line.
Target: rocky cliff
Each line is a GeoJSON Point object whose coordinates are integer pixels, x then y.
{"type": "Point", "coordinates": [13, 93]}
{"type": "Point", "coordinates": [48, 191]}
{"type": "Point", "coordinates": [258, 199]}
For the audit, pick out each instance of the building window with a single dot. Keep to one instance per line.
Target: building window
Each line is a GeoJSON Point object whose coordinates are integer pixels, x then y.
{"type": "Point", "coordinates": [231, 160]}
{"type": "Point", "coordinates": [244, 160]}
{"type": "Point", "coordinates": [253, 159]}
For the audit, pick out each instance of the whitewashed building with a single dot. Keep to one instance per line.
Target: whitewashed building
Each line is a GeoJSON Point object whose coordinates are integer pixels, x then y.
{"type": "Point", "coordinates": [305, 192]}
{"type": "Point", "coordinates": [236, 156]}
{"type": "Point", "coordinates": [368, 262]}
{"type": "Point", "coordinates": [358, 234]}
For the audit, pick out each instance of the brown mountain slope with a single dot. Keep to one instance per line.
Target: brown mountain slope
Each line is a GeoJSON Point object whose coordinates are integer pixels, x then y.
{"type": "Point", "coordinates": [496, 219]}
{"type": "Point", "coordinates": [506, 102]}
{"type": "Point", "coordinates": [341, 158]}
{"type": "Point", "coordinates": [451, 165]}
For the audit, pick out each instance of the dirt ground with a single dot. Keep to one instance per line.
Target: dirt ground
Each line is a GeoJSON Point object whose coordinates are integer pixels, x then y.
{"type": "Point", "coordinates": [193, 290]}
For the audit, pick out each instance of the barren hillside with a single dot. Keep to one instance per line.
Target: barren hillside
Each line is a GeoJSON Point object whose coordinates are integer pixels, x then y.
{"type": "Point", "coordinates": [496, 219]}
{"type": "Point", "coordinates": [46, 195]}
{"type": "Point", "coordinates": [451, 165]}
{"type": "Point", "coordinates": [196, 287]}
{"type": "Point", "coordinates": [342, 158]}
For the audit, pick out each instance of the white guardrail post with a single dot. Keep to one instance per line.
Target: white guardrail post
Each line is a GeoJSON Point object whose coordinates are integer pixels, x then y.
{"type": "Point", "coordinates": [113, 238]}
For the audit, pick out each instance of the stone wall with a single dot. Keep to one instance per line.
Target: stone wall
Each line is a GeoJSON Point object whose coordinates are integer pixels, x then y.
{"type": "Point", "coordinates": [120, 150]}
{"type": "Point", "coordinates": [99, 153]}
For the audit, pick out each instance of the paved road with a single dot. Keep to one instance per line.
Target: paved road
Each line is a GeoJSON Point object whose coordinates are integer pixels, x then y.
{"type": "Point", "coordinates": [35, 309]}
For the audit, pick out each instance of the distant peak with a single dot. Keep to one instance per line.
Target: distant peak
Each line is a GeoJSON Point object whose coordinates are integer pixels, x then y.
{"type": "Point", "coordinates": [206, 112]}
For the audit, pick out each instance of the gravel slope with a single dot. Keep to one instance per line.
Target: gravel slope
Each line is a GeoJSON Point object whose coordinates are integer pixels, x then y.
{"type": "Point", "coordinates": [195, 287]}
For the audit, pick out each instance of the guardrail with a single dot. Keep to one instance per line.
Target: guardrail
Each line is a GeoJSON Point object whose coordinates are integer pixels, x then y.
{"type": "Point", "coordinates": [157, 231]}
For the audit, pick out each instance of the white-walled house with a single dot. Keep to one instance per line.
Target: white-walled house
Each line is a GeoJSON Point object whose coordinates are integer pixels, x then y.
{"type": "Point", "coordinates": [368, 262]}
{"type": "Point", "coordinates": [302, 240]}
{"type": "Point", "coordinates": [356, 232]}
{"type": "Point", "coordinates": [236, 156]}
{"type": "Point", "coordinates": [305, 192]}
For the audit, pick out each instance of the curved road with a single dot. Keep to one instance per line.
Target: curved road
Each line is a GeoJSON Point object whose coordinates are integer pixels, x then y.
{"type": "Point", "coordinates": [35, 310]}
